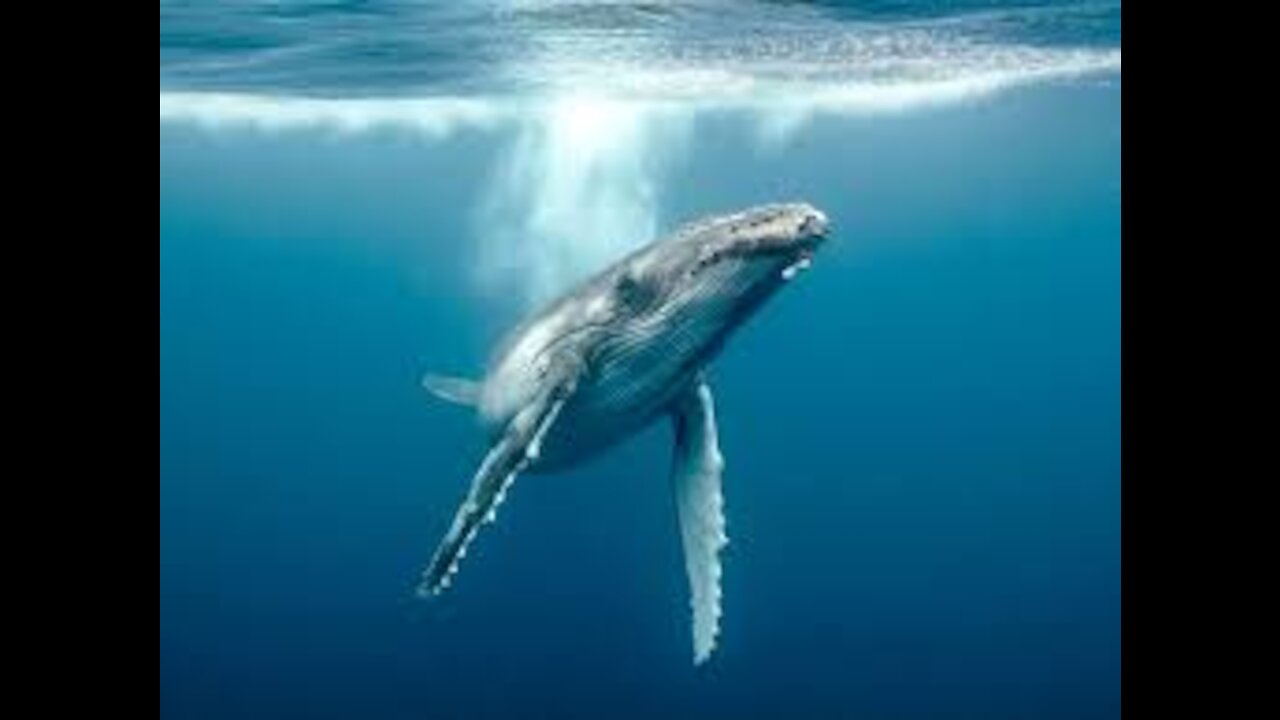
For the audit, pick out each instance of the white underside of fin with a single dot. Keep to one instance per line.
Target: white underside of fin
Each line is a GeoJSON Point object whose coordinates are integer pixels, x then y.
{"type": "Point", "coordinates": [696, 482]}
{"type": "Point", "coordinates": [459, 391]}
{"type": "Point", "coordinates": [507, 459]}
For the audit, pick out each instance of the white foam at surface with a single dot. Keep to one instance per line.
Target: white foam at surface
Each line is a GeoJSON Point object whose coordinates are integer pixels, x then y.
{"type": "Point", "coordinates": [433, 117]}
{"type": "Point", "coordinates": [901, 86]}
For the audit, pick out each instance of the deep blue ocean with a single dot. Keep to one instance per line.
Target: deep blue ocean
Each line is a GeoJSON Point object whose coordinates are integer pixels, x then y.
{"type": "Point", "coordinates": [922, 434]}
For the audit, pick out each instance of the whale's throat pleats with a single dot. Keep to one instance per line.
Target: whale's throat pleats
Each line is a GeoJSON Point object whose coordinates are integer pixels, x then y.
{"type": "Point", "coordinates": [638, 366]}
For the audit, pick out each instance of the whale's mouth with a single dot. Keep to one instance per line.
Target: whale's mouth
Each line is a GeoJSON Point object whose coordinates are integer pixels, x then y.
{"type": "Point", "coordinates": [813, 233]}
{"type": "Point", "coordinates": [803, 261]}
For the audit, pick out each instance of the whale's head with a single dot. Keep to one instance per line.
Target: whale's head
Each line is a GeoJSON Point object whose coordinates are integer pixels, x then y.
{"type": "Point", "coordinates": [712, 275]}
{"type": "Point", "coordinates": [741, 247]}
{"type": "Point", "coordinates": [736, 259]}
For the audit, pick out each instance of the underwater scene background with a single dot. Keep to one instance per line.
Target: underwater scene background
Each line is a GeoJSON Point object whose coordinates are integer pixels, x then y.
{"type": "Point", "coordinates": [922, 434]}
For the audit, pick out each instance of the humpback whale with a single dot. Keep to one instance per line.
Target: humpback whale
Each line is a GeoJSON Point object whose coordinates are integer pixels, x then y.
{"type": "Point", "coordinates": [626, 348]}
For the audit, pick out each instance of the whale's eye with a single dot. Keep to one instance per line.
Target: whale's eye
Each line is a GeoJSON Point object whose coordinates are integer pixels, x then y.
{"type": "Point", "coordinates": [633, 292]}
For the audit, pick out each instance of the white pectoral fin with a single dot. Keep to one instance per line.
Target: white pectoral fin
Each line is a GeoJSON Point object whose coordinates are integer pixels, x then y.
{"type": "Point", "coordinates": [696, 480]}
{"type": "Point", "coordinates": [459, 391]}
{"type": "Point", "coordinates": [518, 447]}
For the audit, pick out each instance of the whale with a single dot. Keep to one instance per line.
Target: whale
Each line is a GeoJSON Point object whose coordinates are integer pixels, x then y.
{"type": "Point", "coordinates": [628, 347]}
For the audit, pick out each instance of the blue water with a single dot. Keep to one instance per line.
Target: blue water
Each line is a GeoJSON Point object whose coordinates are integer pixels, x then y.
{"type": "Point", "coordinates": [922, 433]}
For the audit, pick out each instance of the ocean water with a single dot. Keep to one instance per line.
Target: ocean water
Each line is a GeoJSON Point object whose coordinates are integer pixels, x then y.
{"type": "Point", "coordinates": [922, 433]}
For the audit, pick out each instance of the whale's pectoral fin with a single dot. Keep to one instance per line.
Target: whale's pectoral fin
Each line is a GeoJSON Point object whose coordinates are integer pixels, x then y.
{"type": "Point", "coordinates": [515, 450]}
{"type": "Point", "coordinates": [459, 391]}
{"type": "Point", "coordinates": [695, 479]}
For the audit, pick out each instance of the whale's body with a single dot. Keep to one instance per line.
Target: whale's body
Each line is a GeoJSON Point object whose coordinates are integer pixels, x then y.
{"type": "Point", "coordinates": [624, 349]}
